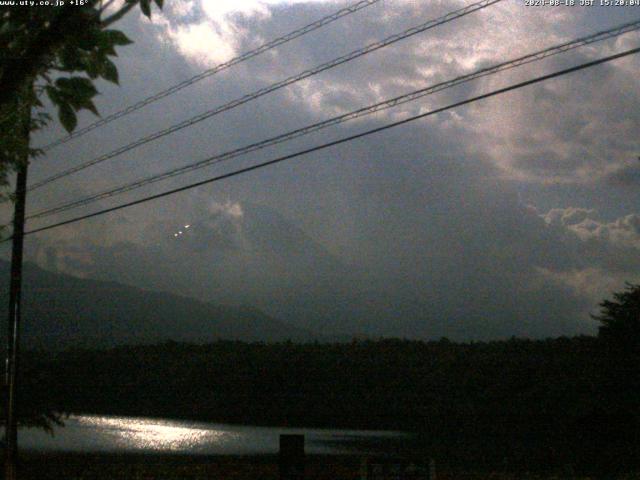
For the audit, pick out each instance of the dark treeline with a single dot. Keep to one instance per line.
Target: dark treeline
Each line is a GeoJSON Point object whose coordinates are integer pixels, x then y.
{"type": "Point", "coordinates": [504, 404]}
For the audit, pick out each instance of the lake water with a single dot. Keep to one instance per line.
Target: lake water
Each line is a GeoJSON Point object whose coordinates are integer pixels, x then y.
{"type": "Point", "coordinates": [95, 433]}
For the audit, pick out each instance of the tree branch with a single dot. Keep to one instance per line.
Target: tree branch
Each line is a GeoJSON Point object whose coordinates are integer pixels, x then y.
{"type": "Point", "coordinates": [119, 14]}
{"type": "Point", "coordinates": [44, 44]}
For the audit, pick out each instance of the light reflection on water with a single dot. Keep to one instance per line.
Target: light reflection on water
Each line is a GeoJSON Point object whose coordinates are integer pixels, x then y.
{"type": "Point", "coordinates": [95, 433]}
{"type": "Point", "coordinates": [152, 434]}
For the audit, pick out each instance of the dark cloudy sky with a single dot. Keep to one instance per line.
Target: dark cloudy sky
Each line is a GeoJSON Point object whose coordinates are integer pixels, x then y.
{"type": "Point", "coordinates": [511, 216]}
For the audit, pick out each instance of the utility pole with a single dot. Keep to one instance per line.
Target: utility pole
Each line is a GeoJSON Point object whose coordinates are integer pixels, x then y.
{"type": "Point", "coordinates": [13, 332]}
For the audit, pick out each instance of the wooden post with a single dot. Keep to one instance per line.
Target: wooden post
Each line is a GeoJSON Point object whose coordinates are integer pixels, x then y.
{"type": "Point", "coordinates": [432, 469]}
{"type": "Point", "coordinates": [15, 288]}
{"type": "Point", "coordinates": [292, 457]}
{"type": "Point", "coordinates": [364, 468]}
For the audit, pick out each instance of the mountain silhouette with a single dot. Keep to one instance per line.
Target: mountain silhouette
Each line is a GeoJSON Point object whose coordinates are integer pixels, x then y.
{"type": "Point", "coordinates": [61, 311]}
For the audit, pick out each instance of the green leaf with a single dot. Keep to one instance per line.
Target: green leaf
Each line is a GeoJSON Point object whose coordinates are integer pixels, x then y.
{"type": "Point", "coordinates": [145, 7]}
{"type": "Point", "coordinates": [109, 71]}
{"type": "Point", "coordinates": [36, 152]}
{"type": "Point", "coordinates": [109, 50]}
{"type": "Point", "coordinates": [53, 94]}
{"type": "Point", "coordinates": [92, 67]}
{"type": "Point", "coordinates": [73, 93]}
{"type": "Point", "coordinates": [115, 37]}
{"type": "Point", "coordinates": [160, 3]}
{"type": "Point", "coordinates": [91, 107]}
{"type": "Point", "coordinates": [67, 117]}
{"type": "Point", "coordinates": [69, 59]}
{"type": "Point", "coordinates": [88, 38]}
{"type": "Point", "coordinates": [76, 87]}
{"type": "Point", "coordinates": [80, 103]}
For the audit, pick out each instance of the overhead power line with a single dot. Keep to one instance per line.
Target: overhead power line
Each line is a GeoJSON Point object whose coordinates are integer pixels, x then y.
{"type": "Point", "coordinates": [343, 12]}
{"type": "Point", "coordinates": [272, 88]}
{"type": "Point", "coordinates": [339, 141]}
{"type": "Point", "coordinates": [389, 103]}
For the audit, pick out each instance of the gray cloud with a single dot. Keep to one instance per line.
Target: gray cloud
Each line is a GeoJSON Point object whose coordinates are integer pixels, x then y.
{"type": "Point", "coordinates": [625, 176]}
{"type": "Point", "coordinates": [419, 231]}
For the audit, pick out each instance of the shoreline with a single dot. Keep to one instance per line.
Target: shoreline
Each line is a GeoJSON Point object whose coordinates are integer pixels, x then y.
{"type": "Point", "coordinates": [106, 466]}
{"type": "Point", "coordinates": [114, 466]}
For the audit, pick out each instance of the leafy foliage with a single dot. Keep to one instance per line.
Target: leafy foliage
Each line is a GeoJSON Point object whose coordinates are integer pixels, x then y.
{"type": "Point", "coordinates": [57, 52]}
{"type": "Point", "coordinates": [620, 319]}
{"type": "Point", "coordinates": [61, 51]}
